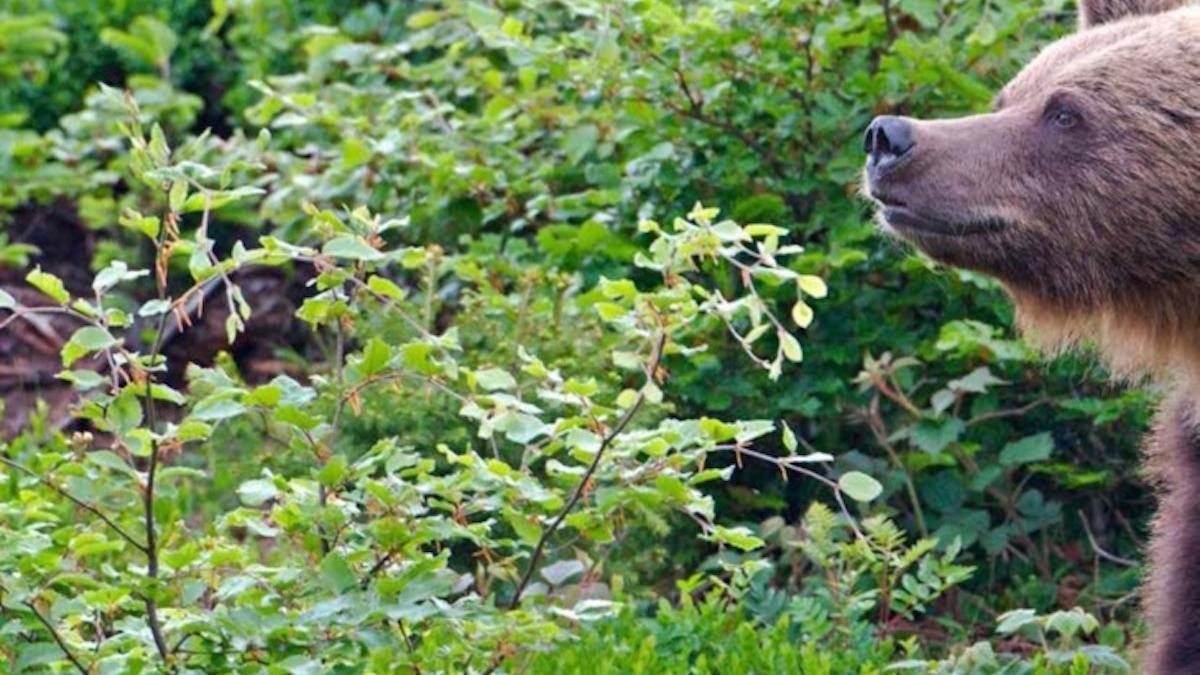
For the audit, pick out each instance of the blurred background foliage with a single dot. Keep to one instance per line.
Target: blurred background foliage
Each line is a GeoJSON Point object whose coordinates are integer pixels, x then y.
{"type": "Point", "coordinates": [530, 137]}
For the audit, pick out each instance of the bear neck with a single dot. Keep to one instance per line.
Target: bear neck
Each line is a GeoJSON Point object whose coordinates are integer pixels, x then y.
{"type": "Point", "coordinates": [1151, 336]}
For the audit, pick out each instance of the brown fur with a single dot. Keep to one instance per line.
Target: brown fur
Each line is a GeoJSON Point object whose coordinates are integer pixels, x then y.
{"type": "Point", "coordinates": [1173, 589]}
{"type": "Point", "coordinates": [1096, 13]}
{"type": "Point", "coordinates": [1081, 193]}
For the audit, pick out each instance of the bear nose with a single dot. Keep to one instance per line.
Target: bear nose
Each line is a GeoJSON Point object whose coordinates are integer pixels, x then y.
{"type": "Point", "coordinates": [887, 139]}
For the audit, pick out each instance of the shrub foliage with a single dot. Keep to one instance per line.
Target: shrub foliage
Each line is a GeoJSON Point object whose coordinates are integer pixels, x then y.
{"type": "Point", "coordinates": [525, 337]}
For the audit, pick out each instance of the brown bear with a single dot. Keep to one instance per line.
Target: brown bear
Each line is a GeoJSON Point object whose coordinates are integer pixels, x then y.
{"type": "Point", "coordinates": [1080, 192]}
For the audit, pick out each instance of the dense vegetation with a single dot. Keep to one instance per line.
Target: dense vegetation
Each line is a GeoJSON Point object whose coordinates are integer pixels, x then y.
{"type": "Point", "coordinates": [526, 336]}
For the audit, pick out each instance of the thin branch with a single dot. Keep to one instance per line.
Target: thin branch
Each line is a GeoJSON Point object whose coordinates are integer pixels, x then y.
{"type": "Point", "coordinates": [375, 570]}
{"type": "Point", "coordinates": [784, 465]}
{"type": "Point", "coordinates": [53, 633]}
{"type": "Point", "coordinates": [181, 641]}
{"type": "Point", "coordinates": [408, 643]}
{"type": "Point", "coordinates": [417, 326]}
{"type": "Point", "coordinates": [23, 312]}
{"type": "Point", "coordinates": [1111, 557]}
{"type": "Point", "coordinates": [878, 430]}
{"type": "Point", "coordinates": [57, 638]}
{"type": "Point", "coordinates": [535, 558]}
{"type": "Point", "coordinates": [160, 641]}
{"type": "Point", "coordinates": [151, 550]}
{"type": "Point", "coordinates": [77, 502]}
{"type": "Point", "coordinates": [894, 394]}
{"type": "Point", "coordinates": [335, 427]}
{"type": "Point", "coordinates": [1013, 412]}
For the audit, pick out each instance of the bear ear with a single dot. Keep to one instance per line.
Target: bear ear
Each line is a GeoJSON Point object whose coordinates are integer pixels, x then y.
{"type": "Point", "coordinates": [1096, 12]}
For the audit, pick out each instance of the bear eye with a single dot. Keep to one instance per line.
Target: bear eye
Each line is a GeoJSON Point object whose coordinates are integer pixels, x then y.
{"type": "Point", "coordinates": [1064, 119]}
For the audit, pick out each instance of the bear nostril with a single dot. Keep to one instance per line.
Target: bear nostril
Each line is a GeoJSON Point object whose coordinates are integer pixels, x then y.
{"type": "Point", "coordinates": [888, 138]}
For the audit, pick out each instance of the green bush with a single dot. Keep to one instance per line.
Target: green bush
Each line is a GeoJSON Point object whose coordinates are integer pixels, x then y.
{"type": "Point", "coordinates": [457, 197]}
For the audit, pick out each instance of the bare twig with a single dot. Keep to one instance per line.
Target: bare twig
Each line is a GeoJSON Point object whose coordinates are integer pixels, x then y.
{"type": "Point", "coordinates": [30, 314]}
{"type": "Point", "coordinates": [1111, 557]}
{"type": "Point", "coordinates": [1011, 412]}
{"type": "Point", "coordinates": [894, 394]}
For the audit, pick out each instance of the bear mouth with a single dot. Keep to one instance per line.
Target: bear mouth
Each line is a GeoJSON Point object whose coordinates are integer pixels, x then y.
{"type": "Point", "coordinates": [905, 220]}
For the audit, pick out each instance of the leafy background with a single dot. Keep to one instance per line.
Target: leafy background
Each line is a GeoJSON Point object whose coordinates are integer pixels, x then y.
{"type": "Point", "coordinates": [498, 158]}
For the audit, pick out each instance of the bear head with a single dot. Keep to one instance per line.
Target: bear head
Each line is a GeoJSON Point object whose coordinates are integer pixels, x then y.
{"type": "Point", "coordinates": [1079, 190]}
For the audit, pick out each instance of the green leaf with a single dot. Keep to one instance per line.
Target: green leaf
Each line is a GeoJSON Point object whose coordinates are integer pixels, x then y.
{"type": "Point", "coordinates": [148, 39]}
{"type": "Point", "coordinates": [977, 381]}
{"type": "Point", "coordinates": [802, 314]}
{"type": "Point", "coordinates": [355, 153]}
{"type": "Point", "coordinates": [789, 438]}
{"type": "Point", "coordinates": [587, 441]}
{"type": "Point", "coordinates": [49, 284]}
{"type": "Point", "coordinates": [812, 286]}
{"type": "Point", "coordinates": [609, 310]}
{"type": "Point", "coordinates": [859, 486]}
{"type": "Point", "coordinates": [125, 412]}
{"type": "Point", "coordinates": [85, 341]}
{"type": "Point", "coordinates": [333, 472]}
{"type": "Point", "coordinates": [933, 436]}
{"type": "Point", "coordinates": [626, 398]}
{"type": "Point", "coordinates": [562, 571]}
{"type": "Point", "coordinates": [607, 50]}
{"type": "Point", "coordinates": [423, 19]}
{"type": "Point", "coordinates": [289, 414]}
{"type": "Point", "coordinates": [154, 308]}
{"type": "Point", "coordinates": [626, 360]}
{"type": "Point", "coordinates": [110, 460]}
{"type": "Point", "coordinates": [738, 537]}
{"type": "Point", "coordinates": [1015, 620]}
{"type": "Point", "coordinates": [761, 230]}
{"type": "Point", "coordinates": [672, 488]}
{"type": "Point", "coordinates": [527, 530]}
{"type": "Point", "coordinates": [481, 16]}
{"type": "Point", "coordinates": [791, 347]}
{"type": "Point", "coordinates": [219, 406]}
{"type": "Point", "coordinates": [36, 654]}
{"type": "Point", "coordinates": [193, 430]}
{"type": "Point", "coordinates": [386, 288]}
{"type": "Point", "coordinates": [83, 380]}
{"type": "Point", "coordinates": [1036, 448]}
{"type": "Point", "coordinates": [942, 399]}
{"type": "Point", "coordinates": [354, 248]}
{"type": "Point", "coordinates": [376, 355]}
{"type": "Point", "coordinates": [147, 225]}
{"type": "Point", "coordinates": [520, 427]}
{"type": "Point", "coordinates": [336, 573]}
{"type": "Point", "coordinates": [177, 195]}
{"type": "Point", "coordinates": [580, 141]}
{"type": "Point", "coordinates": [214, 199]}
{"type": "Point", "coordinates": [495, 379]}
{"type": "Point", "coordinates": [266, 395]}
{"type": "Point", "coordinates": [256, 492]}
